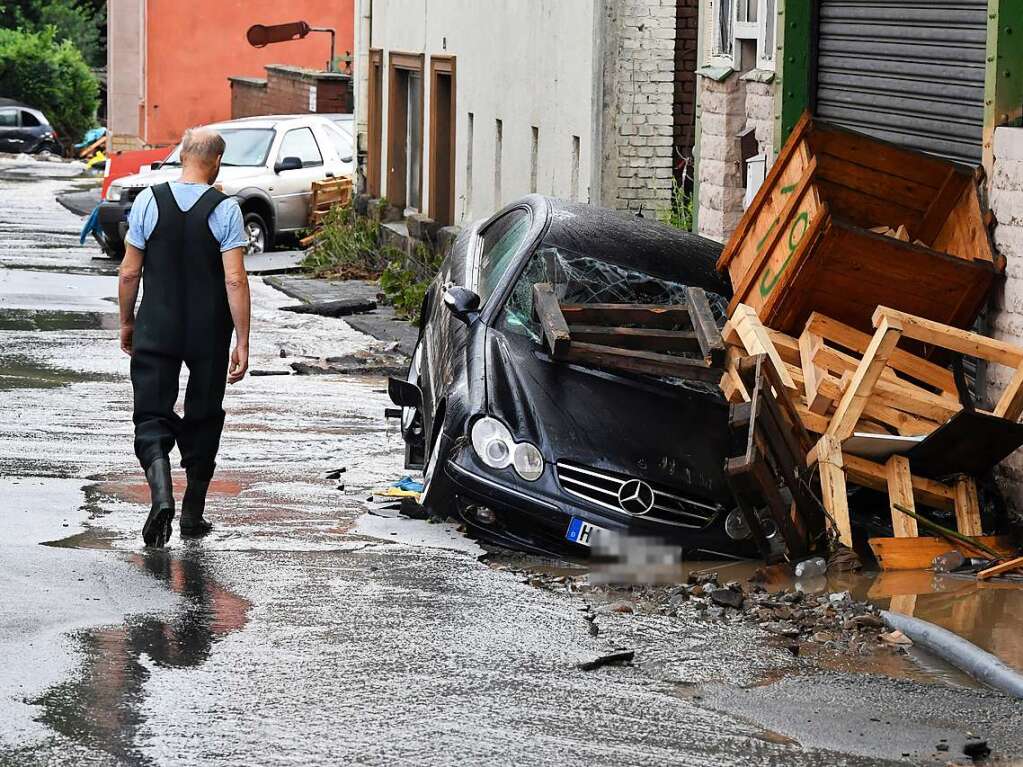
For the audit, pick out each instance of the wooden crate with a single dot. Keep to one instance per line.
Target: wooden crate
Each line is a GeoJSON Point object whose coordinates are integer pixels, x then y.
{"type": "Point", "coordinates": [805, 244]}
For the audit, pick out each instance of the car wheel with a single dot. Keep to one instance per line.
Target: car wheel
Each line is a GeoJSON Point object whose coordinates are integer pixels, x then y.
{"type": "Point", "coordinates": [438, 495]}
{"type": "Point", "coordinates": [51, 148]}
{"type": "Point", "coordinates": [258, 233]}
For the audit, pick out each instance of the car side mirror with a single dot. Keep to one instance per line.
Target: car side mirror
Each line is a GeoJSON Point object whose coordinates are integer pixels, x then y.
{"type": "Point", "coordinates": [462, 303]}
{"type": "Point", "coordinates": [347, 158]}
{"type": "Point", "coordinates": [404, 393]}
{"type": "Point", "coordinates": [288, 163]}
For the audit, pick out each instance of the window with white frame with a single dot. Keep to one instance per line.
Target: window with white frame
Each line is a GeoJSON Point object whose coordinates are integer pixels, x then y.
{"type": "Point", "coordinates": [752, 20]}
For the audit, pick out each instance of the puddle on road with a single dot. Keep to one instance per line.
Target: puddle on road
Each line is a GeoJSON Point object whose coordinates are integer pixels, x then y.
{"type": "Point", "coordinates": [102, 707]}
{"type": "Point", "coordinates": [18, 372]}
{"type": "Point", "coordinates": [53, 320]}
{"type": "Point", "coordinates": [985, 613]}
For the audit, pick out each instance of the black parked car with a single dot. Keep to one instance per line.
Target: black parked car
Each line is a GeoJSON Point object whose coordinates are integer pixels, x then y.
{"type": "Point", "coordinates": [23, 129]}
{"type": "Point", "coordinates": [543, 455]}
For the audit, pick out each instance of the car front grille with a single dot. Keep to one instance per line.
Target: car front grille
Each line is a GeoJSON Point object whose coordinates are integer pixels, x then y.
{"type": "Point", "coordinates": [630, 496]}
{"type": "Point", "coordinates": [130, 193]}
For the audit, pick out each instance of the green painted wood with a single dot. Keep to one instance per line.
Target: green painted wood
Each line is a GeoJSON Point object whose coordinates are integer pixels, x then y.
{"type": "Point", "coordinates": [1003, 84]}
{"type": "Point", "coordinates": [792, 94]}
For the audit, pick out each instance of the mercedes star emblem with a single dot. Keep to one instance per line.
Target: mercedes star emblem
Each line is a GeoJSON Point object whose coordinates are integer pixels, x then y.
{"type": "Point", "coordinates": [636, 497]}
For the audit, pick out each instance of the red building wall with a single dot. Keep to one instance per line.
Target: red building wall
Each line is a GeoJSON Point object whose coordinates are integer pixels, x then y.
{"type": "Point", "coordinates": [193, 46]}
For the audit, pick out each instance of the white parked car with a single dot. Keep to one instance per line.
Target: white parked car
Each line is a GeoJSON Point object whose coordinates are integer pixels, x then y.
{"type": "Point", "coordinates": [269, 165]}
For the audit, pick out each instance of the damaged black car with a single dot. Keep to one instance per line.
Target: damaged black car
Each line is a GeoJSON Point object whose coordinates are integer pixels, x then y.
{"type": "Point", "coordinates": [543, 455]}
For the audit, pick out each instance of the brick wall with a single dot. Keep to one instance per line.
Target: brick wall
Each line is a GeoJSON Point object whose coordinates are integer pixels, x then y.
{"type": "Point", "coordinates": [248, 96]}
{"type": "Point", "coordinates": [1006, 317]}
{"type": "Point", "coordinates": [286, 90]}
{"type": "Point", "coordinates": [687, 24]}
{"type": "Point", "coordinates": [638, 110]}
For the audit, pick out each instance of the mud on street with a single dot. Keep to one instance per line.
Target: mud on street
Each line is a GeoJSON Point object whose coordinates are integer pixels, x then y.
{"type": "Point", "coordinates": [306, 631]}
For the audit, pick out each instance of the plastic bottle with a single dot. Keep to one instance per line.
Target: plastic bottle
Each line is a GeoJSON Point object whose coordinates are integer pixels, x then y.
{"type": "Point", "coordinates": [811, 568]}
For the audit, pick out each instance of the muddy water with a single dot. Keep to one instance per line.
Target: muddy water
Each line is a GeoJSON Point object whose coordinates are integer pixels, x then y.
{"type": "Point", "coordinates": [986, 614]}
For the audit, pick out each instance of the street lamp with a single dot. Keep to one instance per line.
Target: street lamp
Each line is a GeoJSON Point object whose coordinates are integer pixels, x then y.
{"type": "Point", "coordinates": [261, 35]}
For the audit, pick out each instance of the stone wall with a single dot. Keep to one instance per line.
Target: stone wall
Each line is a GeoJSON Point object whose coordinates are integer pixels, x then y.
{"type": "Point", "coordinates": [727, 108]}
{"type": "Point", "coordinates": [638, 110]}
{"type": "Point", "coordinates": [1006, 317]}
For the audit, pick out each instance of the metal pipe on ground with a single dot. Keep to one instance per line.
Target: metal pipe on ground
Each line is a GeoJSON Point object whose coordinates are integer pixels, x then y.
{"type": "Point", "coordinates": [964, 655]}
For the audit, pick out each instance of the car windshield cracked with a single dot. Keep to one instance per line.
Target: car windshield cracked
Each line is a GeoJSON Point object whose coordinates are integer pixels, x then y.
{"type": "Point", "coordinates": [581, 279]}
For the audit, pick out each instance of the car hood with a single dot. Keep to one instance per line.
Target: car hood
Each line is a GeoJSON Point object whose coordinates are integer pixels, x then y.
{"type": "Point", "coordinates": [151, 177]}
{"type": "Point", "coordinates": [675, 435]}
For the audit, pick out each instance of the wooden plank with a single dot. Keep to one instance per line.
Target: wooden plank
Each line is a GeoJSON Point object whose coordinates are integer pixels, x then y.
{"type": "Point", "coordinates": [865, 472]}
{"type": "Point", "coordinates": [756, 340]}
{"type": "Point", "coordinates": [729, 389]}
{"type": "Point", "coordinates": [647, 363]}
{"type": "Point", "coordinates": [900, 491]}
{"type": "Point", "coordinates": [1003, 567]}
{"type": "Point", "coordinates": [962, 341]}
{"type": "Point", "coordinates": [967, 507]}
{"type": "Point", "coordinates": [850, 408]}
{"type": "Point", "coordinates": [648, 315]}
{"type": "Point", "coordinates": [101, 141]}
{"type": "Point", "coordinates": [833, 489]}
{"type": "Point", "coordinates": [901, 360]}
{"type": "Point", "coordinates": [1010, 404]}
{"type": "Point", "coordinates": [919, 553]}
{"type": "Point", "coordinates": [555, 329]}
{"type": "Point", "coordinates": [940, 207]}
{"type": "Point", "coordinates": [650, 339]}
{"type": "Point", "coordinates": [809, 344]}
{"type": "Point", "coordinates": [707, 332]}
{"type": "Point", "coordinates": [963, 232]}
{"type": "Point", "coordinates": [787, 346]}
{"type": "Point", "coordinates": [905, 423]}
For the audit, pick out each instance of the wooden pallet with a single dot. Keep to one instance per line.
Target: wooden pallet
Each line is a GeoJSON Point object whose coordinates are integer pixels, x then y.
{"type": "Point", "coordinates": [769, 469]}
{"type": "Point", "coordinates": [325, 195]}
{"type": "Point", "coordinates": [634, 338]}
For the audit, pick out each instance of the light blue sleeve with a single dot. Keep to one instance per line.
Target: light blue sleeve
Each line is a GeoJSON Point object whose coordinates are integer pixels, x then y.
{"type": "Point", "coordinates": [227, 225]}
{"type": "Point", "coordinates": [142, 219]}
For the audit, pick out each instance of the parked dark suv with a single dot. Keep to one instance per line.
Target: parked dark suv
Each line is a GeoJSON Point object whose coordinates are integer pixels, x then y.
{"type": "Point", "coordinates": [23, 129]}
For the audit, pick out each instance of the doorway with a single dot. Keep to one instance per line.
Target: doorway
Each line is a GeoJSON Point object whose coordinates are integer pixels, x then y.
{"type": "Point", "coordinates": [442, 139]}
{"type": "Point", "coordinates": [405, 132]}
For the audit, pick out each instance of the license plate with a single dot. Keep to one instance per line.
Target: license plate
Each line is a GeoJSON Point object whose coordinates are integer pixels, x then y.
{"type": "Point", "coordinates": [582, 532]}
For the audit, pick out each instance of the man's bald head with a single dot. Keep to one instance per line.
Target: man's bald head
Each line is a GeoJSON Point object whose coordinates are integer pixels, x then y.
{"type": "Point", "coordinates": [201, 149]}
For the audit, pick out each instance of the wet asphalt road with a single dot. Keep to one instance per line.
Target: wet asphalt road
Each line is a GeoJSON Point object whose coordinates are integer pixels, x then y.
{"type": "Point", "coordinates": [304, 631]}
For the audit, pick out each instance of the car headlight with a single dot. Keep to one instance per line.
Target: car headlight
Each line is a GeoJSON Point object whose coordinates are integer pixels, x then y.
{"type": "Point", "coordinates": [495, 446]}
{"type": "Point", "coordinates": [114, 193]}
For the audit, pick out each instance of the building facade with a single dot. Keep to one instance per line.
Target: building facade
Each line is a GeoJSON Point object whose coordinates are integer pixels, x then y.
{"type": "Point", "coordinates": [169, 60]}
{"type": "Point", "coordinates": [464, 106]}
{"type": "Point", "coordinates": [944, 77]}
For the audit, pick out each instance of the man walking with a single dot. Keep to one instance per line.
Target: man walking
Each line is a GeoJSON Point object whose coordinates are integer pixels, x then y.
{"type": "Point", "coordinates": [185, 243]}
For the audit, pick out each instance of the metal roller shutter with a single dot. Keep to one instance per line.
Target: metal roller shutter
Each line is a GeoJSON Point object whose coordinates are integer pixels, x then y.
{"type": "Point", "coordinates": [907, 71]}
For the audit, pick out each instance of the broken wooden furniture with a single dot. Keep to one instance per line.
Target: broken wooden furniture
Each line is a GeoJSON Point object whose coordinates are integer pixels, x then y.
{"type": "Point", "coordinates": [805, 244]}
{"type": "Point", "coordinates": [875, 379]}
{"type": "Point", "coordinates": [887, 419]}
{"type": "Point", "coordinates": [675, 341]}
{"type": "Point", "coordinates": [768, 467]}
{"type": "Point", "coordinates": [326, 194]}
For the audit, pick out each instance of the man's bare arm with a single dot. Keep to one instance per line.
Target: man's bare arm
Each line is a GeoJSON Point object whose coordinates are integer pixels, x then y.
{"type": "Point", "coordinates": [237, 283]}
{"type": "Point", "coordinates": [129, 276]}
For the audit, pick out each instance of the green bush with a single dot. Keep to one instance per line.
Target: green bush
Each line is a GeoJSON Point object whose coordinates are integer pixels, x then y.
{"type": "Point", "coordinates": [50, 76]}
{"type": "Point", "coordinates": [405, 282]}
{"type": "Point", "coordinates": [348, 246]}
{"type": "Point", "coordinates": [680, 213]}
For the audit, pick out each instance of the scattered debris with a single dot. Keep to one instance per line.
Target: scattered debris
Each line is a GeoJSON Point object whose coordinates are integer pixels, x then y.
{"type": "Point", "coordinates": [896, 637]}
{"type": "Point", "coordinates": [325, 195]}
{"type": "Point", "coordinates": [976, 749]}
{"type": "Point", "coordinates": [948, 562]}
{"type": "Point", "coordinates": [619, 658]}
{"type": "Point", "coordinates": [341, 308]}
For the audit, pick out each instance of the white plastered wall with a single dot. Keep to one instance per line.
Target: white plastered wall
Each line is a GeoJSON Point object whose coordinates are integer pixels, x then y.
{"type": "Point", "coordinates": [526, 62]}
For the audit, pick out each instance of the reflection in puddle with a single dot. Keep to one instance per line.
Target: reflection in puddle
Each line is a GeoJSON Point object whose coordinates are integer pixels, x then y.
{"type": "Point", "coordinates": [102, 707]}
{"type": "Point", "coordinates": [23, 373]}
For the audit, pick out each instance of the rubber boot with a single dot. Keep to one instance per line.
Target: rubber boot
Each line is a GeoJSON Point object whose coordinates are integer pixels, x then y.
{"type": "Point", "coordinates": [193, 504]}
{"type": "Point", "coordinates": [157, 530]}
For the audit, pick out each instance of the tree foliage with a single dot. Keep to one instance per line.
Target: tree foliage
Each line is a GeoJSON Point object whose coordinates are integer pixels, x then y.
{"type": "Point", "coordinates": [83, 22]}
{"type": "Point", "coordinates": [50, 75]}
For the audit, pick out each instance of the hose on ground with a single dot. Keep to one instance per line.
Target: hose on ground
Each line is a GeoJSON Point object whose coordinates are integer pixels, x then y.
{"type": "Point", "coordinates": [963, 654]}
